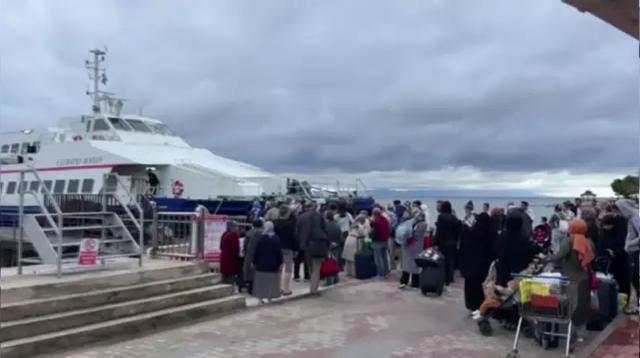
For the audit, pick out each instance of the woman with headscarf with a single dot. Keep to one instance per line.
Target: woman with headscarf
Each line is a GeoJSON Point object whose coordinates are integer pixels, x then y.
{"type": "Point", "coordinates": [410, 250]}
{"type": "Point", "coordinates": [514, 251]}
{"type": "Point", "coordinates": [575, 257]}
{"type": "Point", "coordinates": [267, 261]}
{"type": "Point", "coordinates": [230, 254]}
{"type": "Point", "coordinates": [446, 238]}
{"type": "Point", "coordinates": [359, 231]}
{"type": "Point", "coordinates": [476, 248]}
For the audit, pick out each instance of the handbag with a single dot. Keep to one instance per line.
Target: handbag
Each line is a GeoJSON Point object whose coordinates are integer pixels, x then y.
{"type": "Point", "coordinates": [329, 267]}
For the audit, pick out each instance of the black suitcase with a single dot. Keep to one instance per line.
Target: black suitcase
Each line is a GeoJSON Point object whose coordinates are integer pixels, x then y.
{"type": "Point", "coordinates": [432, 279]}
{"type": "Point", "coordinates": [607, 299]}
{"type": "Point", "coordinates": [365, 265]}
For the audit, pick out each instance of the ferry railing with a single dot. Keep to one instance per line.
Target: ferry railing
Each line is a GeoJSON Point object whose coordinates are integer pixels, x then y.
{"type": "Point", "coordinates": [132, 200]}
{"type": "Point", "coordinates": [57, 226]}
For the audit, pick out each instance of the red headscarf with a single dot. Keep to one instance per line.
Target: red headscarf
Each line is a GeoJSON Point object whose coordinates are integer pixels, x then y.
{"type": "Point", "coordinates": [581, 244]}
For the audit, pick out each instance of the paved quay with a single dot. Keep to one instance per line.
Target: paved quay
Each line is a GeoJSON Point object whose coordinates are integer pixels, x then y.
{"type": "Point", "coordinates": [357, 319]}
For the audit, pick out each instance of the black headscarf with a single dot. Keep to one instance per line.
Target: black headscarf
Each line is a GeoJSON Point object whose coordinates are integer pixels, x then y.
{"type": "Point", "coordinates": [514, 250]}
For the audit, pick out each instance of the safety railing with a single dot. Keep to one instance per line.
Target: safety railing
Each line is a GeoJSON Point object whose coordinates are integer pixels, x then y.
{"type": "Point", "coordinates": [56, 225]}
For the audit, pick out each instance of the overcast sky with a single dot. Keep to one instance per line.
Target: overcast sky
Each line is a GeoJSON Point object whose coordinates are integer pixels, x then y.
{"type": "Point", "coordinates": [461, 94]}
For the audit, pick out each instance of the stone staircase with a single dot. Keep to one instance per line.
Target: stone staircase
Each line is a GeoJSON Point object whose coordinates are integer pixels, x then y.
{"type": "Point", "coordinates": [57, 316]}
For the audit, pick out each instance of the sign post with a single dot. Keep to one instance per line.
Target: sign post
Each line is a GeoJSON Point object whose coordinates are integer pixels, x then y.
{"type": "Point", "coordinates": [88, 253]}
{"type": "Point", "coordinates": [214, 227]}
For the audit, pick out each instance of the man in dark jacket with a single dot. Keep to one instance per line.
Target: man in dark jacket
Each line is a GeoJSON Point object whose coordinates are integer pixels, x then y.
{"type": "Point", "coordinates": [446, 238]}
{"type": "Point", "coordinates": [285, 229]}
{"type": "Point", "coordinates": [312, 238]}
{"type": "Point", "coordinates": [381, 232]}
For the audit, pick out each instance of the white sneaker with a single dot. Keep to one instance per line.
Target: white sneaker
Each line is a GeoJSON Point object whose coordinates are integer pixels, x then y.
{"type": "Point", "coordinates": [402, 286]}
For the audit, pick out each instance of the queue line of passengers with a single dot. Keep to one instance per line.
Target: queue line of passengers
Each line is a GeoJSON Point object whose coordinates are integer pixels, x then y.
{"type": "Point", "coordinates": [286, 238]}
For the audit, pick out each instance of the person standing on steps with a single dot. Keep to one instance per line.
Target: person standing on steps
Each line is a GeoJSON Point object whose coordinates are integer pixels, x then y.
{"type": "Point", "coordinates": [230, 254]}
{"type": "Point", "coordinates": [153, 181]}
{"type": "Point", "coordinates": [312, 238]}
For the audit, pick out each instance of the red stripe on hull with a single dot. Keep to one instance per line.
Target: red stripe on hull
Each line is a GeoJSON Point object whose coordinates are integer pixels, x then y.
{"type": "Point", "coordinates": [56, 169]}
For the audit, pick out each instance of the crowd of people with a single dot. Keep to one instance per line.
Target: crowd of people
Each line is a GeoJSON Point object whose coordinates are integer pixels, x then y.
{"type": "Point", "coordinates": [286, 239]}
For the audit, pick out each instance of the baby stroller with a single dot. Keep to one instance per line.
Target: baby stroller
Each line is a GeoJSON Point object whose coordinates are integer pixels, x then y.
{"type": "Point", "coordinates": [501, 303]}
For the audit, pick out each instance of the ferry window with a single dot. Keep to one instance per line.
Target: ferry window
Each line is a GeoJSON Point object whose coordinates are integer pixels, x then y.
{"type": "Point", "coordinates": [139, 125]}
{"type": "Point", "coordinates": [161, 129]}
{"type": "Point", "coordinates": [100, 125]}
{"type": "Point", "coordinates": [25, 148]}
{"type": "Point", "coordinates": [11, 187]}
{"type": "Point", "coordinates": [87, 186]}
{"type": "Point", "coordinates": [47, 184]}
{"type": "Point", "coordinates": [89, 126]}
{"type": "Point", "coordinates": [15, 147]}
{"type": "Point", "coordinates": [23, 187]}
{"type": "Point", "coordinates": [34, 186]}
{"type": "Point", "coordinates": [58, 187]}
{"type": "Point", "coordinates": [5, 148]}
{"type": "Point", "coordinates": [73, 186]}
{"type": "Point", "coordinates": [36, 147]}
{"type": "Point", "coordinates": [1, 187]}
{"type": "Point", "coordinates": [119, 124]}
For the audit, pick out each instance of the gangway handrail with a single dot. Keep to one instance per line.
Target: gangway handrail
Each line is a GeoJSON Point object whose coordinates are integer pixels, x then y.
{"type": "Point", "coordinates": [22, 189]}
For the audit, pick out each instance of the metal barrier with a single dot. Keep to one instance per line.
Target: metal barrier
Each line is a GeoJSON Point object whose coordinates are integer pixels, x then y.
{"type": "Point", "coordinates": [180, 235]}
{"type": "Point", "coordinates": [173, 235]}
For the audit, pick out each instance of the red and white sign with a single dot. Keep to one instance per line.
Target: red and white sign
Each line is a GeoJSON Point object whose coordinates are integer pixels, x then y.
{"type": "Point", "coordinates": [214, 227]}
{"type": "Point", "coordinates": [88, 253]}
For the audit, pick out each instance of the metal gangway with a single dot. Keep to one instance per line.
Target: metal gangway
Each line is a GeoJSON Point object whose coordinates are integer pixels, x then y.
{"type": "Point", "coordinates": [64, 221]}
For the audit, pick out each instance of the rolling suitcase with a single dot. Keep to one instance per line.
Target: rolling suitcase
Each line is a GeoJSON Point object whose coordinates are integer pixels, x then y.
{"type": "Point", "coordinates": [607, 297]}
{"type": "Point", "coordinates": [432, 279]}
{"type": "Point", "coordinates": [365, 264]}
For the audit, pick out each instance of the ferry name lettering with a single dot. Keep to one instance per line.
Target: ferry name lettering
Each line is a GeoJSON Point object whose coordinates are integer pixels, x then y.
{"type": "Point", "coordinates": [79, 161]}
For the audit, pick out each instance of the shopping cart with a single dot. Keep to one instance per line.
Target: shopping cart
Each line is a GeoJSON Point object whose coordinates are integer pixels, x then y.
{"type": "Point", "coordinates": [544, 299]}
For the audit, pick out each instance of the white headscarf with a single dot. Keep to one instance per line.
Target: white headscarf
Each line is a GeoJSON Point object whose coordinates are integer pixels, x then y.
{"type": "Point", "coordinates": [268, 228]}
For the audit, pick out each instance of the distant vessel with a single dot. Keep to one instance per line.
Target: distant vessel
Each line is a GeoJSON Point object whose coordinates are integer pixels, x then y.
{"type": "Point", "coordinates": [74, 156]}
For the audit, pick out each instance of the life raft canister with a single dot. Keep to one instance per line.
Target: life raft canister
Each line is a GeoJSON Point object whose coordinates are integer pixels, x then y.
{"type": "Point", "coordinates": [177, 188]}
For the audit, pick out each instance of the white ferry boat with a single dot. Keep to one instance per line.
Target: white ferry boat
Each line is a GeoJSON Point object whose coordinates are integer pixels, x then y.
{"type": "Point", "coordinates": [74, 156]}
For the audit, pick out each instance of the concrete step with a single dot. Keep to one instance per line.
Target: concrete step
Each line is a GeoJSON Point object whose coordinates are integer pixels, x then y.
{"type": "Point", "coordinates": [93, 298]}
{"type": "Point", "coordinates": [71, 285]}
{"type": "Point", "coordinates": [124, 327]}
{"type": "Point", "coordinates": [50, 323]}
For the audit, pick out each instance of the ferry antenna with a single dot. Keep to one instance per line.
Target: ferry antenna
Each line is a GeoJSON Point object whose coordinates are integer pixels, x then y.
{"type": "Point", "coordinates": [97, 73]}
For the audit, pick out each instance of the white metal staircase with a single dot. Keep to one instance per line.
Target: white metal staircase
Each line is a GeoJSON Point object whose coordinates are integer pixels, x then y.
{"type": "Point", "coordinates": [56, 234]}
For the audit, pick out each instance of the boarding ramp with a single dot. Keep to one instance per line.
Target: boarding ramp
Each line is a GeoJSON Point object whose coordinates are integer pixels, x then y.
{"type": "Point", "coordinates": [57, 234]}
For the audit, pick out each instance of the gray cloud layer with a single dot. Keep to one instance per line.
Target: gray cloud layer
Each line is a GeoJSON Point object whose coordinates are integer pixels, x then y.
{"type": "Point", "coordinates": [370, 85]}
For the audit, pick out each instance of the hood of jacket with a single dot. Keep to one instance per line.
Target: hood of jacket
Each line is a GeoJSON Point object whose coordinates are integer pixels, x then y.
{"type": "Point", "coordinates": [627, 208]}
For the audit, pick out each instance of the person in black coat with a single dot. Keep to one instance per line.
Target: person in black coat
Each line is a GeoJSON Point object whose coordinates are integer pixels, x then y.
{"type": "Point", "coordinates": [476, 247]}
{"type": "Point", "coordinates": [515, 251]}
{"type": "Point", "coordinates": [612, 238]}
{"type": "Point", "coordinates": [446, 238]}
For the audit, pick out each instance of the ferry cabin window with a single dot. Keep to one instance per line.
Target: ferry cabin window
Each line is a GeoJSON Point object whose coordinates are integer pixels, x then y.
{"type": "Point", "coordinates": [5, 149]}
{"type": "Point", "coordinates": [25, 148]}
{"type": "Point", "coordinates": [11, 187]}
{"type": "Point", "coordinates": [119, 124]}
{"type": "Point", "coordinates": [87, 186]}
{"type": "Point", "coordinates": [58, 187]}
{"type": "Point", "coordinates": [23, 186]}
{"type": "Point", "coordinates": [100, 125]}
{"type": "Point", "coordinates": [74, 184]}
{"type": "Point", "coordinates": [89, 126]}
{"type": "Point", "coordinates": [139, 125]}
{"type": "Point", "coordinates": [161, 129]}
{"type": "Point", "coordinates": [34, 186]}
{"type": "Point", "coordinates": [15, 147]}
{"type": "Point", "coordinates": [47, 184]}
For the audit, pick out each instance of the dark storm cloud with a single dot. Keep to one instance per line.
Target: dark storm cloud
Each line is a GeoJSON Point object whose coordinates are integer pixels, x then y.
{"type": "Point", "coordinates": [303, 87]}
